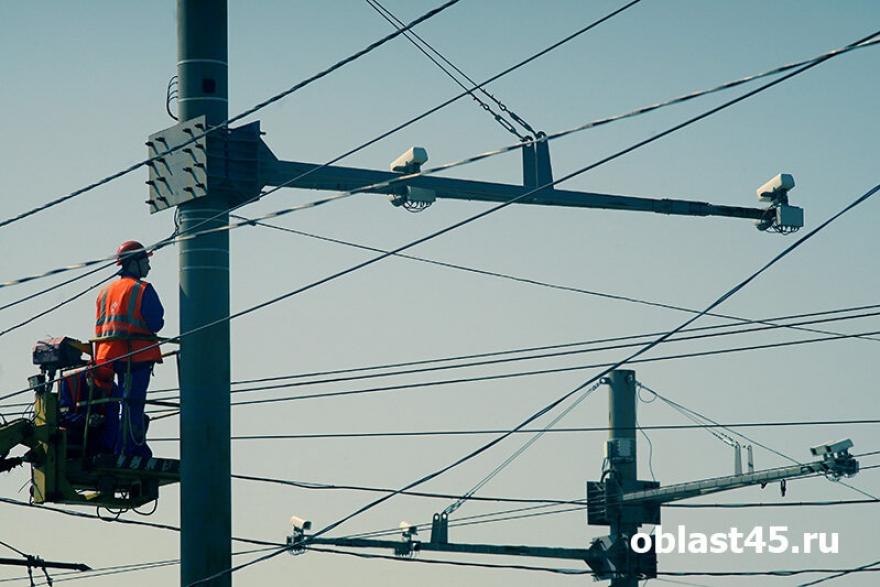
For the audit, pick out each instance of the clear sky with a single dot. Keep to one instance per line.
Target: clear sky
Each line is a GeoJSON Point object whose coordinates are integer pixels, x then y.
{"type": "Point", "coordinates": [83, 85]}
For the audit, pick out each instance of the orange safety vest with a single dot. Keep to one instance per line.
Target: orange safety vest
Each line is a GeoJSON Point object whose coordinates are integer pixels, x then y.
{"type": "Point", "coordinates": [120, 326]}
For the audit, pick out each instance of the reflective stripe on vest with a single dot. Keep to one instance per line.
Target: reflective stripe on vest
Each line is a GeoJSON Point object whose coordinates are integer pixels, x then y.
{"type": "Point", "coordinates": [111, 322]}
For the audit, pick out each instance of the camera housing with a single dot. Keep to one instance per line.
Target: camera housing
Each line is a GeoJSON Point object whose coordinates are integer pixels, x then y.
{"type": "Point", "coordinates": [833, 448]}
{"type": "Point", "coordinates": [300, 523]}
{"type": "Point", "coordinates": [411, 161]}
{"type": "Point", "coordinates": [776, 189]}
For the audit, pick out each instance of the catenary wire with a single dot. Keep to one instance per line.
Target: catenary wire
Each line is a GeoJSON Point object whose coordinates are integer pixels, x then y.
{"type": "Point", "coordinates": [237, 568]}
{"type": "Point", "coordinates": [308, 485]}
{"type": "Point", "coordinates": [675, 582]}
{"type": "Point", "coordinates": [766, 573]}
{"type": "Point", "coordinates": [56, 306]}
{"type": "Point", "coordinates": [481, 87]}
{"type": "Point", "coordinates": [509, 351]}
{"type": "Point", "coordinates": [155, 525]}
{"type": "Point", "coordinates": [842, 573]}
{"type": "Point", "coordinates": [452, 508]}
{"type": "Point", "coordinates": [425, 47]}
{"type": "Point", "coordinates": [484, 363]}
{"type": "Point", "coordinates": [419, 370]}
{"type": "Point", "coordinates": [426, 384]}
{"type": "Point", "coordinates": [536, 372]}
{"type": "Point", "coordinates": [259, 106]}
{"type": "Point", "coordinates": [54, 287]}
{"type": "Point", "coordinates": [681, 407]}
{"type": "Point", "coordinates": [122, 569]}
{"type": "Point", "coordinates": [865, 42]}
{"type": "Point", "coordinates": [768, 321]}
{"type": "Point", "coordinates": [491, 431]}
{"type": "Point", "coordinates": [529, 281]}
{"type": "Point", "coordinates": [422, 494]}
{"type": "Point", "coordinates": [503, 205]}
{"type": "Point", "coordinates": [99, 572]}
{"type": "Point", "coordinates": [13, 549]}
{"type": "Point", "coordinates": [484, 518]}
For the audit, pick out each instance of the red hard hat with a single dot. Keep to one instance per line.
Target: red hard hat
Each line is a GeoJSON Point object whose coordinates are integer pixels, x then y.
{"type": "Point", "coordinates": [129, 249]}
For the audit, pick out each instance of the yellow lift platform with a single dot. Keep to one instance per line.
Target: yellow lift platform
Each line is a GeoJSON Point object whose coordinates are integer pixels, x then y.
{"type": "Point", "coordinates": [64, 469]}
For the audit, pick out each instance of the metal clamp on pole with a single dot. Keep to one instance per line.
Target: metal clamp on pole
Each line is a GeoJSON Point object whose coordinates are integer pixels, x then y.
{"type": "Point", "coordinates": [440, 528]}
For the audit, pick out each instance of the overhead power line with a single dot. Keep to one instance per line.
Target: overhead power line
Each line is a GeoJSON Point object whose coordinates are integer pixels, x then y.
{"type": "Point", "coordinates": [257, 107]}
{"type": "Point", "coordinates": [450, 509]}
{"type": "Point", "coordinates": [55, 307]}
{"type": "Point", "coordinates": [237, 568]}
{"type": "Point", "coordinates": [13, 549]}
{"type": "Point", "coordinates": [389, 388]}
{"type": "Point", "coordinates": [529, 281]}
{"type": "Point", "coordinates": [53, 287]}
{"type": "Point", "coordinates": [114, 520]}
{"type": "Point", "coordinates": [122, 569]}
{"type": "Point", "coordinates": [868, 567]}
{"type": "Point", "coordinates": [345, 377]}
{"type": "Point", "coordinates": [563, 571]}
{"type": "Point", "coordinates": [309, 485]}
{"type": "Point", "coordinates": [521, 350]}
{"type": "Point", "coordinates": [563, 430]}
{"type": "Point", "coordinates": [383, 366]}
{"type": "Point", "coordinates": [517, 374]}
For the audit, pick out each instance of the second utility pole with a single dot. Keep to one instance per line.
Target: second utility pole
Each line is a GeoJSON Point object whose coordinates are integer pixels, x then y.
{"type": "Point", "coordinates": [205, 488]}
{"type": "Point", "coordinates": [621, 453]}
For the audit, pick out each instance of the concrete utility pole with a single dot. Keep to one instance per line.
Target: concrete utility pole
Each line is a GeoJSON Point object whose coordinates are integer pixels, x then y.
{"type": "Point", "coordinates": [205, 489]}
{"type": "Point", "coordinates": [621, 453]}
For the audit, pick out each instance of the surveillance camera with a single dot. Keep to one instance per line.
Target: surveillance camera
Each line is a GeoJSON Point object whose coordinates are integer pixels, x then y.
{"type": "Point", "coordinates": [411, 161]}
{"type": "Point", "coordinates": [776, 188]}
{"type": "Point", "coordinates": [300, 524]}
{"type": "Point", "coordinates": [832, 448]}
{"type": "Point", "coordinates": [409, 528]}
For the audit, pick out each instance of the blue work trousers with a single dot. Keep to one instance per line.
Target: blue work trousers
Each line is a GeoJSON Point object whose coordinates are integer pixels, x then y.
{"type": "Point", "coordinates": [125, 420]}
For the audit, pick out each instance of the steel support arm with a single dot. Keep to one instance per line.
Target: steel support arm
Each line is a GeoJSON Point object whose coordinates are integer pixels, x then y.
{"type": "Point", "coordinates": [838, 467]}
{"type": "Point", "coordinates": [274, 172]}
{"type": "Point", "coordinates": [494, 549]}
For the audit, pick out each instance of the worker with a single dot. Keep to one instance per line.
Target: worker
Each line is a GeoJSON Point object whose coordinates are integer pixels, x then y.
{"type": "Point", "coordinates": [129, 314]}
